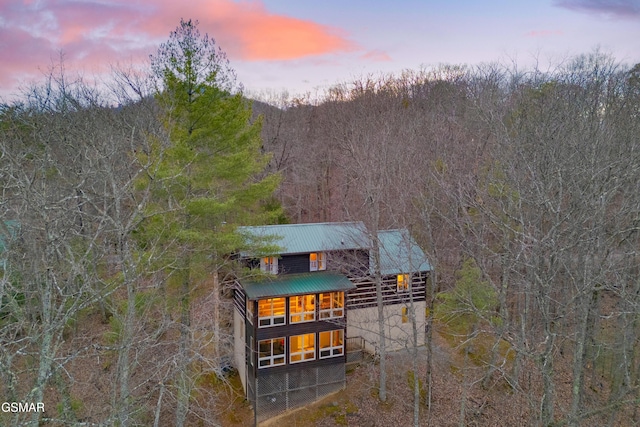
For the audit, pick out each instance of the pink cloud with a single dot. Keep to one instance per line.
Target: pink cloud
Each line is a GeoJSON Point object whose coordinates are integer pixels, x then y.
{"type": "Point", "coordinates": [246, 30]}
{"type": "Point", "coordinates": [94, 34]}
{"type": "Point", "coordinates": [377, 55]}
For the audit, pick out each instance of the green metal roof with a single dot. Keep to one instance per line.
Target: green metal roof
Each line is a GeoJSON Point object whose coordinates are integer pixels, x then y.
{"type": "Point", "coordinates": [399, 253]}
{"type": "Point", "coordinates": [317, 237]}
{"type": "Point", "coordinates": [297, 284]}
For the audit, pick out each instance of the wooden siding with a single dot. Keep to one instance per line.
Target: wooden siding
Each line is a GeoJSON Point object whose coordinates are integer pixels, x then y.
{"type": "Point", "coordinates": [293, 264]}
{"type": "Point", "coordinates": [365, 293]}
{"type": "Point", "coordinates": [353, 262]}
{"type": "Point", "coordinates": [239, 298]}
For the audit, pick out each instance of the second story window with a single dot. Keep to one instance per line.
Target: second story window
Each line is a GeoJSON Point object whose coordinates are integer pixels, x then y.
{"type": "Point", "coordinates": [404, 280]}
{"type": "Point", "coordinates": [271, 312]}
{"type": "Point", "coordinates": [331, 305]}
{"type": "Point", "coordinates": [317, 261]}
{"type": "Point", "coordinates": [302, 308]}
{"type": "Point", "coordinates": [302, 347]}
{"type": "Point", "coordinates": [269, 264]}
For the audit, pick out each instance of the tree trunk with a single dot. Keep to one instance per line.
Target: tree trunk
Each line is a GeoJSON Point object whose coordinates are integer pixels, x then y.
{"type": "Point", "coordinates": [382, 348]}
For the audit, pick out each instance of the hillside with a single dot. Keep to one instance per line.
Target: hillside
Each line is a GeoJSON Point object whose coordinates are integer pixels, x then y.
{"type": "Point", "coordinates": [521, 186]}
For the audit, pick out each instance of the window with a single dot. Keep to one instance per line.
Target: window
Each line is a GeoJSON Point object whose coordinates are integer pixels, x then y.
{"type": "Point", "coordinates": [271, 352]}
{"type": "Point", "coordinates": [404, 280]}
{"type": "Point", "coordinates": [249, 305]}
{"type": "Point", "coordinates": [331, 343]}
{"type": "Point", "coordinates": [251, 351]}
{"type": "Point", "coordinates": [302, 308]}
{"type": "Point", "coordinates": [302, 347]}
{"type": "Point", "coordinates": [405, 317]}
{"type": "Point", "coordinates": [271, 312]}
{"type": "Point", "coordinates": [331, 305]}
{"type": "Point", "coordinates": [269, 264]}
{"type": "Point", "coordinates": [317, 262]}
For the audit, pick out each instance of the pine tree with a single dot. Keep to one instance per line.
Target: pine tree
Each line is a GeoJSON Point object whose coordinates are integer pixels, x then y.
{"type": "Point", "coordinates": [210, 173]}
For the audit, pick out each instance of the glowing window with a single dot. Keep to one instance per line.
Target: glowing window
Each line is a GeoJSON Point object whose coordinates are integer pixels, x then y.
{"type": "Point", "coordinates": [405, 316]}
{"type": "Point", "coordinates": [269, 264]}
{"type": "Point", "coordinates": [302, 308]}
{"type": "Point", "coordinates": [317, 262]}
{"type": "Point", "coordinates": [302, 348]}
{"type": "Point", "coordinates": [331, 305]}
{"type": "Point", "coordinates": [271, 352]}
{"type": "Point", "coordinates": [271, 312]}
{"type": "Point", "coordinates": [404, 280]}
{"type": "Point", "coordinates": [331, 343]}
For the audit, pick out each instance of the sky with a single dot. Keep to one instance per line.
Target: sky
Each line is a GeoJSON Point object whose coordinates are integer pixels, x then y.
{"type": "Point", "coordinates": [299, 47]}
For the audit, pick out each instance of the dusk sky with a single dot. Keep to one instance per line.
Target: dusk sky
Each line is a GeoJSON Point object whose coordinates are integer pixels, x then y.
{"type": "Point", "coordinates": [300, 46]}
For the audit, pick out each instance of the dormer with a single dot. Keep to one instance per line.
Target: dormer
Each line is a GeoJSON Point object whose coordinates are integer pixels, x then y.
{"type": "Point", "coordinates": [269, 264]}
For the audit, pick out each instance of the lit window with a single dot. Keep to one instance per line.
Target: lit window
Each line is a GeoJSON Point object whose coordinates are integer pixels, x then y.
{"type": "Point", "coordinates": [317, 261]}
{"type": "Point", "coordinates": [405, 317]}
{"type": "Point", "coordinates": [404, 280]}
{"type": "Point", "coordinates": [331, 305]}
{"type": "Point", "coordinates": [271, 352]}
{"type": "Point", "coordinates": [271, 312]}
{"type": "Point", "coordinates": [302, 308]}
{"type": "Point", "coordinates": [269, 264]}
{"type": "Point", "coordinates": [331, 343]}
{"type": "Point", "coordinates": [302, 347]}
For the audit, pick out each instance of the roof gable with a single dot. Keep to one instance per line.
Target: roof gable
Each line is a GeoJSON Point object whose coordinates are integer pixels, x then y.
{"type": "Point", "coordinates": [399, 253]}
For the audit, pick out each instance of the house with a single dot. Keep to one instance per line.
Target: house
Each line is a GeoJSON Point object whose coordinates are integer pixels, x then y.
{"type": "Point", "coordinates": [291, 324]}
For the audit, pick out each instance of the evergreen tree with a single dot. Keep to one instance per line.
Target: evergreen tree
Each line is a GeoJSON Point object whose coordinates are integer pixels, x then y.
{"type": "Point", "coordinates": [210, 174]}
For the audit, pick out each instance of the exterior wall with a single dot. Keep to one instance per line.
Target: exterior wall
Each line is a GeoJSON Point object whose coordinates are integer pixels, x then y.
{"type": "Point", "coordinates": [276, 389]}
{"type": "Point", "coordinates": [293, 264]}
{"type": "Point", "coordinates": [363, 322]}
{"type": "Point", "coordinates": [365, 293]}
{"type": "Point", "coordinates": [239, 349]}
{"type": "Point", "coordinates": [351, 262]}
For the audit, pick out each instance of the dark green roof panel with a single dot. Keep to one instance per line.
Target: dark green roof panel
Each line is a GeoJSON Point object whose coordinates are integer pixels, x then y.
{"type": "Point", "coordinates": [316, 237]}
{"type": "Point", "coordinates": [399, 253]}
{"type": "Point", "coordinates": [297, 284]}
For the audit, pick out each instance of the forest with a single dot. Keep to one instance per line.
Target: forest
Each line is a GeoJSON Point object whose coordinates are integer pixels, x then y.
{"type": "Point", "coordinates": [120, 202]}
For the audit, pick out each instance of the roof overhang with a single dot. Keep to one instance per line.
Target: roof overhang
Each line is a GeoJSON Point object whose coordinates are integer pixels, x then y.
{"type": "Point", "coordinates": [296, 284]}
